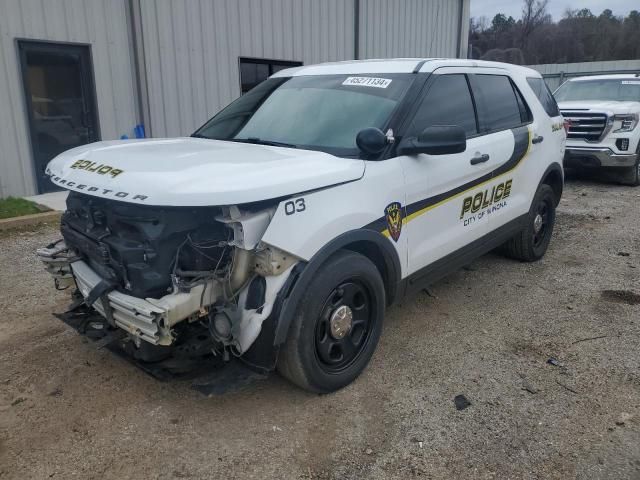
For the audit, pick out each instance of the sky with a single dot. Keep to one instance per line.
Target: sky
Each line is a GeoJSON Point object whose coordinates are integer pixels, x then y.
{"type": "Point", "coordinates": [556, 8]}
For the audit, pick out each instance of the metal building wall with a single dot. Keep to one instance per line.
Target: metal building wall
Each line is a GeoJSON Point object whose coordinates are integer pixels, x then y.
{"type": "Point", "coordinates": [413, 28]}
{"type": "Point", "coordinates": [191, 49]}
{"type": "Point", "coordinates": [100, 23]}
{"type": "Point", "coordinates": [556, 74]}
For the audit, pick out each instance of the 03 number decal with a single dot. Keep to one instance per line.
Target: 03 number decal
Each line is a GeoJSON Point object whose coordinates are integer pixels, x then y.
{"type": "Point", "coordinates": [294, 206]}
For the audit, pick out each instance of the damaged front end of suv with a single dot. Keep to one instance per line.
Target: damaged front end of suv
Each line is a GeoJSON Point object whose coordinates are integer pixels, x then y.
{"type": "Point", "coordinates": [170, 286]}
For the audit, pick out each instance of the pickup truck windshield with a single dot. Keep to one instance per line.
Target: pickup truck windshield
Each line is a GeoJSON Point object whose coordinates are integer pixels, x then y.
{"type": "Point", "coordinates": [323, 112]}
{"type": "Point", "coordinates": [618, 90]}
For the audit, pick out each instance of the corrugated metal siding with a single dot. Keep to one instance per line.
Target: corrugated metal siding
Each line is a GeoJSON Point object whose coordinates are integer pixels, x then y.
{"type": "Point", "coordinates": [192, 49]}
{"type": "Point", "coordinates": [555, 74]}
{"type": "Point", "coordinates": [101, 23]}
{"type": "Point", "coordinates": [410, 28]}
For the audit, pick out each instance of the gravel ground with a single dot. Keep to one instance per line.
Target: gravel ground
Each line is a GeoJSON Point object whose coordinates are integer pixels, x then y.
{"type": "Point", "coordinates": [68, 410]}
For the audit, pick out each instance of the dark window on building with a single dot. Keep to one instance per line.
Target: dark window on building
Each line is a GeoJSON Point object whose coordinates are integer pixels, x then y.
{"type": "Point", "coordinates": [448, 102]}
{"type": "Point", "coordinates": [499, 107]}
{"type": "Point", "coordinates": [255, 70]}
{"type": "Point", "coordinates": [539, 87]}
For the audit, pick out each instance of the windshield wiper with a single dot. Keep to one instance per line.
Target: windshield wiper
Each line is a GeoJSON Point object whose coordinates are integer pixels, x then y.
{"type": "Point", "coordinates": [259, 141]}
{"type": "Point", "coordinates": [198, 135]}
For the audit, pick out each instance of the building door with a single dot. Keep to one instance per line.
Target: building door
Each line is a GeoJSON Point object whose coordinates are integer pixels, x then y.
{"type": "Point", "coordinates": [60, 100]}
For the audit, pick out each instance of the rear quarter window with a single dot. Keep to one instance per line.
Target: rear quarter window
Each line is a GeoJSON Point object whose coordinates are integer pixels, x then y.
{"type": "Point", "coordinates": [500, 104]}
{"type": "Point", "coordinates": [539, 87]}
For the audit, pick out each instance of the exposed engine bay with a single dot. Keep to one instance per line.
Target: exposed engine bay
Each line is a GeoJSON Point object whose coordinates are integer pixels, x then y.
{"type": "Point", "coordinates": [196, 279]}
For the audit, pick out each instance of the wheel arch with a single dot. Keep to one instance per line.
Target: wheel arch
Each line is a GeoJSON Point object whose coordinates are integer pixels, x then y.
{"type": "Point", "coordinates": [369, 243]}
{"type": "Point", "coordinates": [554, 177]}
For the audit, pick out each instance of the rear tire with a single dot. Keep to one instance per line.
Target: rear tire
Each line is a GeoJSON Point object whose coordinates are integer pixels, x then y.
{"type": "Point", "coordinates": [336, 326]}
{"type": "Point", "coordinates": [531, 243]}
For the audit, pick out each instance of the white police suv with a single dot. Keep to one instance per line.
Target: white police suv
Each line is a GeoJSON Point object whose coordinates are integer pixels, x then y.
{"type": "Point", "coordinates": [279, 231]}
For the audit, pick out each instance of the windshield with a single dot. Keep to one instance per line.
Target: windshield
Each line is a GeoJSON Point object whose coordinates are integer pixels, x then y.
{"type": "Point", "coordinates": [618, 90]}
{"type": "Point", "coordinates": [323, 112]}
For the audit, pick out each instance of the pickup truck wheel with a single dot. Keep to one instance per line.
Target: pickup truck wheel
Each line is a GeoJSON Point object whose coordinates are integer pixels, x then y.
{"type": "Point", "coordinates": [531, 243]}
{"type": "Point", "coordinates": [632, 176]}
{"type": "Point", "coordinates": [337, 325]}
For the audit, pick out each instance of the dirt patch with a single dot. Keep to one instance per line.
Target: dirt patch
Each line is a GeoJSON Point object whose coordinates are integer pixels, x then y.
{"type": "Point", "coordinates": [621, 296]}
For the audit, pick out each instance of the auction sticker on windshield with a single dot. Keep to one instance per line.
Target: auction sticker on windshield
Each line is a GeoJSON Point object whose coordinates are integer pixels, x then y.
{"type": "Point", "coordinates": [629, 82]}
{"type": "Point", "coordinates": [367, 82]}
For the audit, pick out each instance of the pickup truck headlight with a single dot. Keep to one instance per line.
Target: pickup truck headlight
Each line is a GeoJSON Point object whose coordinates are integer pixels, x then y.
{"type": "Point", "coordinates": [627, 122]}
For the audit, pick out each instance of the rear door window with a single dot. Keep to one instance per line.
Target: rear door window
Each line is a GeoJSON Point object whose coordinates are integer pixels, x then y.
{"type": "Point", "coordinates": [539, 87]}
{"type": "Point", "coordinates": [447, 102]}
{"type": "Point", "coordinates": [500, 105]}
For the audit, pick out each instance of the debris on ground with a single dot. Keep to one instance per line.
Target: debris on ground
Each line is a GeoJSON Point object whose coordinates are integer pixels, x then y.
{"type": "Point", "coordinates": [623, 419]}
{"type": "Point", "coordinates": [567, 387]}
{"type": "Point", "coordinates": [554, 361]}
{"type": "Point", "coordinates": [461, 402]}
{"type": "Point", "coordinates": [56, 392]}
{"type": "Point", "coordinates": [528, 387]}
{"type": "Point", "coordinates": [429, 292]}
{"type": "Point", "coordinates": [589, 339]}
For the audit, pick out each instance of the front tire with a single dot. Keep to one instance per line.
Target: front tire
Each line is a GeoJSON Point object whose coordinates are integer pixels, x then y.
{"type": "Point", "coordinates": [336, 326]}
{"type": "Point", "coordinates": [632, 176]}
{"type": "Point", "coordinates": [531, 243]}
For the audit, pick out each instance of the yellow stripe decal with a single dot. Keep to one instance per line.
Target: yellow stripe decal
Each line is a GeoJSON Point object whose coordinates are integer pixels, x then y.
{"type": "Point", "coordinates": [418, 213]}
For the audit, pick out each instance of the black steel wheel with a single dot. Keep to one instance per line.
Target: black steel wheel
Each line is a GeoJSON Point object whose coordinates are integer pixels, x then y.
{"type": "Point", "coordinates": [541, 219]}
{"type": "Point", "coordinates": [344, 326]}
{"type": "Point", "coordinates": [531, 243]}
{"type": "Point", "coordinates": [337, 324]}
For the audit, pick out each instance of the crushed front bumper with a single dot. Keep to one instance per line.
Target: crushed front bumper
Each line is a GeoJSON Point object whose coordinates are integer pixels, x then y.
{"type": "Point", "coordinates": [136, 316]}
{"type": "Point", "coordinates": [149, 319]}
{"type": "Point", "coordinates": [576, 157]}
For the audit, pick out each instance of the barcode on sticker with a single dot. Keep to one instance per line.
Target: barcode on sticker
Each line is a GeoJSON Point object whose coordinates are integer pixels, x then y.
{"type": "Point", "coordinates": [630, 82]}
{"type": "Point", "coordinates": [367, 82]}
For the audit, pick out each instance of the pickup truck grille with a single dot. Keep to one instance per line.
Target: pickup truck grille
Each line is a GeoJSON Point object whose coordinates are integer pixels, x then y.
{"type": "Point", "coordinates": [585, 125]}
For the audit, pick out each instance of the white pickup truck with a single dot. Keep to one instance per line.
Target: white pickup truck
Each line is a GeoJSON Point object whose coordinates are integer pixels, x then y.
{"type": "Point", "coordinates": [603, 113]}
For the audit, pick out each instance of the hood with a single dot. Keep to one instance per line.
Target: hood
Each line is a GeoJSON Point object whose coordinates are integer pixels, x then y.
{"type": "Point", "coordinates": [196, 172]}
{"type": "Point", "coordinates": [606, 106]}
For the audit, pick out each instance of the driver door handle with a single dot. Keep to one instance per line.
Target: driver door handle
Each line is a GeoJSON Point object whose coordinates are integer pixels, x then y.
{"type": "Point", "coordinates": [480, 159]}
{"type": "Point", "coordinates": [537, 139]}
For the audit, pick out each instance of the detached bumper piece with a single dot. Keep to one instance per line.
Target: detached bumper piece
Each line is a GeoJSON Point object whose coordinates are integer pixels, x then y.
{"type": "Point", "coordinates": [189, 361]}
{"type": "Point", "coordinates": [592, 157]}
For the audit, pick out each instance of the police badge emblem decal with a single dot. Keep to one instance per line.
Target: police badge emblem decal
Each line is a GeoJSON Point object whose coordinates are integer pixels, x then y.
{"type": "Point", "coordinates": [393, 214]}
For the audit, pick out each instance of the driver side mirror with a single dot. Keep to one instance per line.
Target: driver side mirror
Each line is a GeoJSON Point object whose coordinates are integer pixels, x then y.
{"type": "Point", "coordinates": [371, 141]}
{"type": "Point", "coordinates": [436, 140]}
